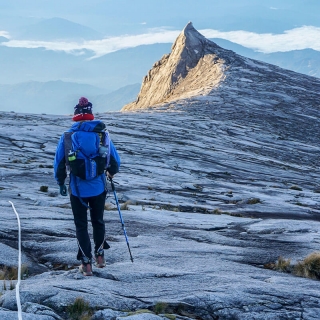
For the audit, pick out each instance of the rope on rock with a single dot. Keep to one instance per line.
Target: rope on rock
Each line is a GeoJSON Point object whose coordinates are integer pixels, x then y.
{"type": "Point", "coordinates": [19, 265]}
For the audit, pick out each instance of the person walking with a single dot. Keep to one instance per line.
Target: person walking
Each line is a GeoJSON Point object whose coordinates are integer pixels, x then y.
{"type": "Point", "coordinates": [87, 152]}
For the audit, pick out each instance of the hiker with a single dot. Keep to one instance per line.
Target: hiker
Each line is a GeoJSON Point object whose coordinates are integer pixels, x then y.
{"type": "Point", "coordinates": [87, 151]}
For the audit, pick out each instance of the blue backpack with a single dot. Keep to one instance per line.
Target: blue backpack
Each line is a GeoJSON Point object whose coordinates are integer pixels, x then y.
{"type": "Point", "coordinates": [87, 153]}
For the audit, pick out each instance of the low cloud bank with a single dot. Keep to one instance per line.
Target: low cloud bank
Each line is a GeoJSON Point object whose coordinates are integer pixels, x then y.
{"type": "Point", "coordinates": [294, 39]}
{"type": "Point", "coordinates": [4, 34]}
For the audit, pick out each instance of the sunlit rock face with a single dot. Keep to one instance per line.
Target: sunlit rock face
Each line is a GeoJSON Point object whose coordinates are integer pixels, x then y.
{"type": "Point", "coordinates": [192, 65]}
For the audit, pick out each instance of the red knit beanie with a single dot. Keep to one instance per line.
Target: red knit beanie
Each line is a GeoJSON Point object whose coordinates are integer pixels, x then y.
{"type": "Point", "coordinates": [83, 110]}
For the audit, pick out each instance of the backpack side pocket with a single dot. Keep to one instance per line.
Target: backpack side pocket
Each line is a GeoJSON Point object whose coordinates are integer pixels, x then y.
{"type": "Point", "coordinates": [78, 168]}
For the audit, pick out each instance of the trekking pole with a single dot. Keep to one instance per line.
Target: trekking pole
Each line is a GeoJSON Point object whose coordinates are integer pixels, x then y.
{"type": "Point", "coordinates": [122, 222]}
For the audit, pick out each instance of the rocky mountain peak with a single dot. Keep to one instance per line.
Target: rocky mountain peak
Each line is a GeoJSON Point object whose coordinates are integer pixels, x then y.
{"type": "Point", "coordinates": [187, 50]}
{"type": "Point", "coordinates": [181, 73]}
{"type": "Point", "coordinates": [190, 39]}
{"type": "Point", "coordinates": [189, 46]}
{"type": "Point", "coordinates": [197, 67]}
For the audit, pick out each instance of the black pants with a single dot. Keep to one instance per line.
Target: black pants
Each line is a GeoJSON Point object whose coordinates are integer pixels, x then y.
{"type": "Point", "coordinates": [81, 222]}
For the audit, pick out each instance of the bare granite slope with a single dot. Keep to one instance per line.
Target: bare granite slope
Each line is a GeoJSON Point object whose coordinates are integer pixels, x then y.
{"type": "Point", "coordinates": [197, 66]}
{"type": "Point", "coordinates": [216, 192]}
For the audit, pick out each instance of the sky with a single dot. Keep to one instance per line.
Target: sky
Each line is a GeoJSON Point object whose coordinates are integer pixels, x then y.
{"type": "Point", "coordinates": [266, 26]}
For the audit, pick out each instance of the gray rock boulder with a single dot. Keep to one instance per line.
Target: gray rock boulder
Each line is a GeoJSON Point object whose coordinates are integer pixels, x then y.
{"type": "Point", "coordinates": [38, 309]}
{"type": "Point", "coordinates": [13, 315]}
{"type": "Point", "coordinates": [108, 314]}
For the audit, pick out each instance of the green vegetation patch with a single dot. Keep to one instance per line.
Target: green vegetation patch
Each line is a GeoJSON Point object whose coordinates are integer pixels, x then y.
{"type": "Point", "coordinates": [44, 188]}
{"type": "Point", "coordinates": [79, 310]}
{"type": "Point", "coordinates": [307, 268]}
{"type": "Point", "coordinates": [160, 307]}
{"type": "Point", "coordinates": [125, 205]}
{"type": "Point", "coordinates": [296, 188]}
{"type": "Point", "coordinates": [253, 201]}
{"type": "Point", "coordinates": [283, 265]}
{"type": "Point", "coordinates": [11, 273]}
{"type": "Point", "coordinates": [140, 311]}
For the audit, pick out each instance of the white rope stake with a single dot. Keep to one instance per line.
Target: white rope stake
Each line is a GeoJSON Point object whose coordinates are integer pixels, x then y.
{"type": "Point", "coordinates": [19, 266]}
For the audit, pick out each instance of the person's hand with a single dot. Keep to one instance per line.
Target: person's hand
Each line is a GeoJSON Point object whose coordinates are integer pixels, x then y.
{"type": "Point", "coordinates": [63, 190]}
{"type": "Point", "coordinates": [109, 175]}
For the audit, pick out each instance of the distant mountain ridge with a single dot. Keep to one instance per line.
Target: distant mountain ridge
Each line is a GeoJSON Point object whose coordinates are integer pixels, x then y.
{"type": "Point", "coordinates": [58, 29]}
{"type": "Point", "coordinates": [112, 71]}
{"type": "Point", "coordinates": [305, 61]}
{"type": "Point", "coordinates": [49, 97]}
{"type": "Point", "coordinates": [3, 39]}
{"type": "Point", "coordinates": [59, 97]}
{"type": "Point", "coordinates": [115, 100]}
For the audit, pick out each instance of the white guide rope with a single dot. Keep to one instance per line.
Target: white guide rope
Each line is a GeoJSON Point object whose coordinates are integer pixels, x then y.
{"type": "Point", "coordinates": [19, 265]}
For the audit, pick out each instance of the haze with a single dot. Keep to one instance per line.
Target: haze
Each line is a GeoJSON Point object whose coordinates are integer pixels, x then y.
{"type": "Point", "coordinates": [53, 51]}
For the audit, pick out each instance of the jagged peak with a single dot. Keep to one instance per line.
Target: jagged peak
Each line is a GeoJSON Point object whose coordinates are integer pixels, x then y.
{"type": "Point", "coordinates": [189, 37]}
{"type": "Point", "coordinates": [169, 79]}
{"type": "Point", "coordinates": [190, 31]}
{"type": "Point", "coordinates": [189, 25]}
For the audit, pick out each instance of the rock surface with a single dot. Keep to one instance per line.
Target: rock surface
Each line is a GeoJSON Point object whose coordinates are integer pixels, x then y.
{"type": "Point", "coordinates": [177, 165]}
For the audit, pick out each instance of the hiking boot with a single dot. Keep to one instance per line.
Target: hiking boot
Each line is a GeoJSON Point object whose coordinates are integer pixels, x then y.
{"type": "Point", "coordinates": [86, 267]}
{"type": "Point", "coordinates": [100, 260]}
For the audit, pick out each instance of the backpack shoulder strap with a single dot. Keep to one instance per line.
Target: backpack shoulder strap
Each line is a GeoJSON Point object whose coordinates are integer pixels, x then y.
{"type": "Point", "coordinates": [67, 146]}
{"type": "Point", "coordinates": [106, 143]}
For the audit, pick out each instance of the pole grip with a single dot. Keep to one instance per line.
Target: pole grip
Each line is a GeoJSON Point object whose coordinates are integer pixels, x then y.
{"type": "Point", "coordinates": [112, 184]}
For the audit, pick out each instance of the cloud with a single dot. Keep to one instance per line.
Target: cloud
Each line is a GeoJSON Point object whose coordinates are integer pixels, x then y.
{"type": "Point", "coordinates": [273, 8]}
{"type": "Point", "coordinates": [99, 47]}
{"type": "Point", "coordinates": [294, 39]}
{"type": "Point", "coordinates": [4, 34]}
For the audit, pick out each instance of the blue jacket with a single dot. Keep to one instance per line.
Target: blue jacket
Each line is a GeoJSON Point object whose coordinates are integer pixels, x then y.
{"type": "Point", "coordinates": [84, 188]}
